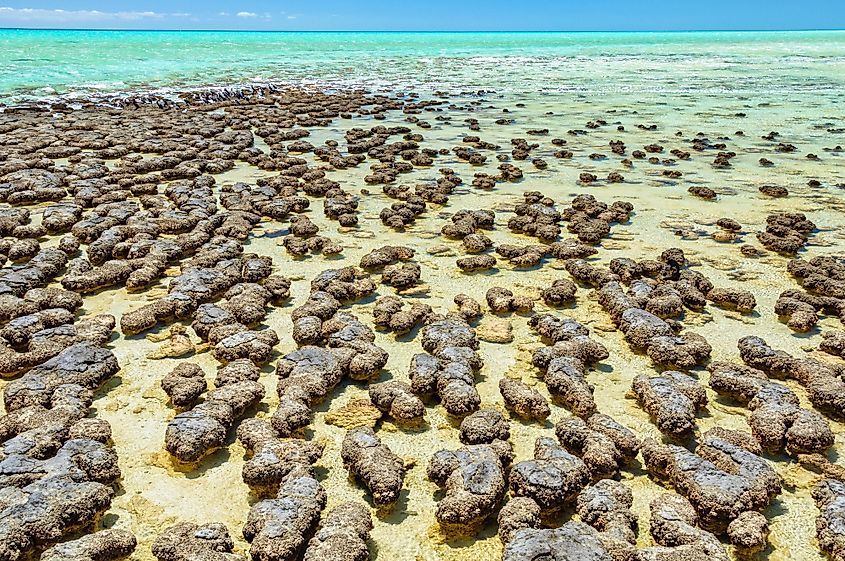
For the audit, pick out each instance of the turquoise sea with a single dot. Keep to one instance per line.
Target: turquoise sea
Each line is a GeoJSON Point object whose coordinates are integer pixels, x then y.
{"type": "Point", "coordinates": [37, 63]}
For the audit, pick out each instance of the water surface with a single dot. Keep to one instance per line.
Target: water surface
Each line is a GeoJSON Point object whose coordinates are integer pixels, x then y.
{"type": "Point", "coordinates": [45, 62]}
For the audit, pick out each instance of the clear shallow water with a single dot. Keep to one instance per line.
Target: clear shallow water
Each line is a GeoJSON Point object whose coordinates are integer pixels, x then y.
{"type": "Point", "coordinates": [38, 63]}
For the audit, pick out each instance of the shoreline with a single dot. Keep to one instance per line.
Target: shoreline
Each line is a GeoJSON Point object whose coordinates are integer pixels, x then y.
{"type": "Point", "coordinates": [171, 94]}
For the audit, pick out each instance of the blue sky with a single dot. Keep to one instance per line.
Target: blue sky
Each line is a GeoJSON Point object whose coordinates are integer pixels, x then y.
{"type": "Point", "coordinates": [471, 15]}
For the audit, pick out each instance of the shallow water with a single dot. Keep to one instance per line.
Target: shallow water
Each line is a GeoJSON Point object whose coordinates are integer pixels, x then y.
{"type": "Point", "coordinates": [38, 63]}
{"type": "Point", "coordinates": [680, 82]}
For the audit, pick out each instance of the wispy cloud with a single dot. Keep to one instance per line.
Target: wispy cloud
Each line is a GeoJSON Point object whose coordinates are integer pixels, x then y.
{"type": "Point", "coordinates": [253, 15]}
{"type": "Point", "coordinates": [66, 17]}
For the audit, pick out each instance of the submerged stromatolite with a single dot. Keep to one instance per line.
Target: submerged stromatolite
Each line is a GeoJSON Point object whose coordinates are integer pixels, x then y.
{"type": "Point", "coordinates": [823, 381]}
{"type": "Point", "coordinates": [672, 399]}
{"type": "Point", "coordinates": [776, 420]}
{"type": "Point", "coordinates": [279, 528]}
{"type": "Point", "coordinates": [721, 480]}
{"type": "Point", "coordinates": [552, 478]}
{"type": "Point", "coordinates": [829, 495]}
{"type": "Point", "coordinates": [370, 460]}
{"type": "Point", "coordinates": [104, 545]}
{"type": "Point", "coordinates": [603, 444]}
{"type": "Point", "coordinates": [185, 541]}
{"type": "Point", "coordinates": [474, 478]}
{"type": "Point", "coordinates": [192, 434]}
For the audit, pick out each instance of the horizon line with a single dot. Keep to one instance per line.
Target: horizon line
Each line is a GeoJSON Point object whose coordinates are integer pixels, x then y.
{"type": "Point", "coordinates": [213, 30]}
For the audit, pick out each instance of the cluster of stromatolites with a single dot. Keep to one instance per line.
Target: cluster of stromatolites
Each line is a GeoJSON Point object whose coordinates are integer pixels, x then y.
{"type": "Point", "coordinates": [124, 199]}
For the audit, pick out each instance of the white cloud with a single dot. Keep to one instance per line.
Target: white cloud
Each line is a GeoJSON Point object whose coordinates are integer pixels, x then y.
{"type": "Point", "coordinates": [64, 17]}
{"type": "Point", "coordinates": [246, 14]}
{"type": "Point", "coordinates": [291, 17]}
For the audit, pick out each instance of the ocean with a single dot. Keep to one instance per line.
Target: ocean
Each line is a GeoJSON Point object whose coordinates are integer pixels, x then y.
{"type": "Point", "coordinates": [39, 63]}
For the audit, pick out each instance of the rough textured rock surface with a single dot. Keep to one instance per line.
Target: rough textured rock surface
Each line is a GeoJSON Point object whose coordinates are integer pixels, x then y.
{"type": "Point", "coordinates": [552, 478]}
{"type": "Point", "coordinates": [474, 480]}
{"type": "Point", "coordinates": [273, 458]}
{"type": "Point", "coordinates": [279, 528]}
{"type": "Point", "coordinates": [397, 400]}
{"type": "Point", "coordinates": [823, 382]}
{"type": "Point", "coordinates": [371, 461]}
{"type": "Point", "coordinates": [572, 541]}
{"type": "Point", "coordinates": [603, 444]}
{"type": "Point", "coordinates": [104, 545]}
{"type": "Point", "coordinates": [186, 541]}
{"type": "Point", "coordinates": [484, 426]}
{"type": "Point", "coordinates": [523, 400]}
{"type": "Point", "coordinates": [672, 399]}
{"type": "Point", "coordinates": [777, 420]}
{"type": "Point", "coordinates": [829, 495]}
{"type": "Point", "coordinates": [673, 527]}
{"type": "Point", "coordinates": [721, 480]}
{"type": "Point", "coordinates": [342, 535]}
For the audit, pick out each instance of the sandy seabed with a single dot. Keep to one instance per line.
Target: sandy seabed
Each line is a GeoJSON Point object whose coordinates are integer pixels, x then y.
{"type": "Point", "coordinates": [156, 491]}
